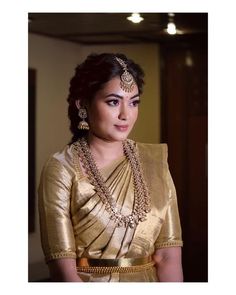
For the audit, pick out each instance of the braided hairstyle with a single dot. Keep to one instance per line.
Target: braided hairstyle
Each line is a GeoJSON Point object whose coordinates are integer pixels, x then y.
{"type": "Point", "coordinates": [89, 78]}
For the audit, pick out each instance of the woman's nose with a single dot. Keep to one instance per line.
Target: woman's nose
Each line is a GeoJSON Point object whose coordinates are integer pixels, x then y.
{"type": "Point", "coordinates": [123, 114]}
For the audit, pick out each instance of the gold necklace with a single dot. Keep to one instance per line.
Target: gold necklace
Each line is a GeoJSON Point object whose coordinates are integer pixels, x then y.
{"type": "Point", "coordinates": [141, 196]}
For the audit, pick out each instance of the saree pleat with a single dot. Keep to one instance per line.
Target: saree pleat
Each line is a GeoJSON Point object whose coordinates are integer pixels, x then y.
{"type": "Point", "coordinates": [99, 229]}
{"type": "Point", "coordinates": [73, 214]}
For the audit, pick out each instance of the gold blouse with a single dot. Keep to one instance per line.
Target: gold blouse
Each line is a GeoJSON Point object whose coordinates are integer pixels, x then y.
{"type": "Point", "coordinates": [74, 222]}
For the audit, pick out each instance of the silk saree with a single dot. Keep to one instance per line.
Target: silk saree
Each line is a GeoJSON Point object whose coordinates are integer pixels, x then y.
{"type": "Point", "coordinates": [75, 224]}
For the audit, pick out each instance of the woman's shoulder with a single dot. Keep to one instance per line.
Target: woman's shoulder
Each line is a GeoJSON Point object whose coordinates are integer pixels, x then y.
{"type": "Point", "coordinates": [62, 159]}
{"type": "Point", "coordinates": [158, 151]}
{"type": "Point", "coordinates": [153, 146]}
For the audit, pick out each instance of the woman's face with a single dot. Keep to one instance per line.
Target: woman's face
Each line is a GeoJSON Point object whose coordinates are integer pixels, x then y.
{"type": "Point", "coordinates": [113, 112]}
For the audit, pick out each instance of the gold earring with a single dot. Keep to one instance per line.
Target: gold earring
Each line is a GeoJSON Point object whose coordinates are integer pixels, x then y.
{"type": "Point", "coordinates": [83, 125]}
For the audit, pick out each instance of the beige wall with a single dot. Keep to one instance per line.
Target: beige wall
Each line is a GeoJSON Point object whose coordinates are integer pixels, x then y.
{"type": "Point", "coordinates": [55, 61]}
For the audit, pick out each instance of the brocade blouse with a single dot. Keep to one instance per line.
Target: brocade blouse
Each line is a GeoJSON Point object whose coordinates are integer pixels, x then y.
{"type": "Point", "coordinates": [74, 222]}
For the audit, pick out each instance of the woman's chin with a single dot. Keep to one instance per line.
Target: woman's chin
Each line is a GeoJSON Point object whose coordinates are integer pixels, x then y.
{"type": "Point", "coordinates": [112, 137]}
{"type": "Point", "coordinates": [121, 137]}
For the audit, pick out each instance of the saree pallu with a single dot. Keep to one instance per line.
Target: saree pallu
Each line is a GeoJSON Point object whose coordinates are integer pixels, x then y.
{"type": "Point", "coordinates": [75, 224]}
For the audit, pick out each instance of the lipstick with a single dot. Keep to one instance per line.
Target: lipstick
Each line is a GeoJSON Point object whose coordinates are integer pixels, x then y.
{"type": "Point", "coordinates": [122, 128]}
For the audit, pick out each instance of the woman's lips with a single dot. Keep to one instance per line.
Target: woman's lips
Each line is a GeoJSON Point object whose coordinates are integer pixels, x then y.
{"type": "Point", "coordinates": [122, 128]}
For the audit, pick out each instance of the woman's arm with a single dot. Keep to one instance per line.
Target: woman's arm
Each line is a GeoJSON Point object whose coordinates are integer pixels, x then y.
{"type": "Point", "coordinates": [63, 270]}
{"type": "Point", "coordinates": [169, 264]}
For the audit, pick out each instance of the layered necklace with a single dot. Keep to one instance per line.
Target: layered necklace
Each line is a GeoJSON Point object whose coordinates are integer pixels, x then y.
{"type": "Point", "coordinates": [141, 196]}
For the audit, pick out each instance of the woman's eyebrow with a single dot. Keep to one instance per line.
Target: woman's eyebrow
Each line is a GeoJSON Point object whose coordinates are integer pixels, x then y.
{"type": "Point", "coordinates": [114, 95]}
{"type": "Point", "coordinates": [136, 95]}
{"type": "Point", "coordinates": [119, 96]}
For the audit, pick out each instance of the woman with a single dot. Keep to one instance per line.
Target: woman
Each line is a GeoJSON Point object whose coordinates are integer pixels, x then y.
{"type": "Point", "coordinates": [108, 207]}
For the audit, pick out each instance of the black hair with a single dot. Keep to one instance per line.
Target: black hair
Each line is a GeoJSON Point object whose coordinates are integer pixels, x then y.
{"type": "Point", "coordinates": [89, 78]}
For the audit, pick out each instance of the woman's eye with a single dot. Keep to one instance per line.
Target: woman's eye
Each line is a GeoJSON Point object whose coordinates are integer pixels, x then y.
{"type": "Point", "coordinates": [135, 102]}
{"type": "Point", "coordinates": [113, 102]}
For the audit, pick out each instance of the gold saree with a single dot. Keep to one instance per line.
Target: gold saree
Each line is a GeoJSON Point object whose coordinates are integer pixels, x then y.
{"type": "Point", "coordinates": [74, 222]}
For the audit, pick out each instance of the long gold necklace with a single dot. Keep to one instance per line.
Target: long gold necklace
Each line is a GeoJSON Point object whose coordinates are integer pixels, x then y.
{"type": "Point", "coordinates": [141, 196]}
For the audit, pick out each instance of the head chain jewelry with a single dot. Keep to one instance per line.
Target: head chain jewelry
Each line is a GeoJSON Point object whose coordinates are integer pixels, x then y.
{"type": "Point", "coordinates": [126, 79]}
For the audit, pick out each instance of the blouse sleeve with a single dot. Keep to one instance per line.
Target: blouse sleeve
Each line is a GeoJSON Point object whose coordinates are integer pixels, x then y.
{"type": "Point", "coordinates": [56, 229]}
{"type": "Point", "coordinates": [170, 234]}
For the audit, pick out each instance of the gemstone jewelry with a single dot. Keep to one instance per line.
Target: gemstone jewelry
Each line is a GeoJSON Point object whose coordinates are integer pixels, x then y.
{"type": "Point", "coordinates": [141, 196]}
{"type": "Point", "coordinates": [126, 79]}
{"type": "Point", "coordinates": [83, 125]}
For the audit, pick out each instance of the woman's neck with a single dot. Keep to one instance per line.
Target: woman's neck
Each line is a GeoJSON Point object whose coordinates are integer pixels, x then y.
{"type": "Point", "coordinates": [103, 150]}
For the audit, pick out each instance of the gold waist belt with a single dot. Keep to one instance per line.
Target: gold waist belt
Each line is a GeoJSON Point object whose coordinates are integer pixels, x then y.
{"type": "Point", "coordinates": [122, 265]}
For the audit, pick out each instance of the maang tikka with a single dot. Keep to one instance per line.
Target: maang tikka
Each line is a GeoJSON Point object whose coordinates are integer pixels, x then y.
{"type": "Point", "coordinates": [83, 125]}
{"type": "Point", "coordinates": [126, 79]}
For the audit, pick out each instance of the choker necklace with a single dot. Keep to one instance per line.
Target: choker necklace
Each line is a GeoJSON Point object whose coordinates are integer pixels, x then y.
{"type": "Point", "coordinates": [141, 196]}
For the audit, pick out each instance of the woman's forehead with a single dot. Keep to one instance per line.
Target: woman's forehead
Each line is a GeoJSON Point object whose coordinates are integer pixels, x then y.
{"type": "Point", "coordinates": [113, 86]}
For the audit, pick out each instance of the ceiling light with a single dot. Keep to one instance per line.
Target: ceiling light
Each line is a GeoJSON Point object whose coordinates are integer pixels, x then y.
{"type": "Point", "coordinates": [135, 18]}
{"type": "Point", "coordinates": [171, 27]}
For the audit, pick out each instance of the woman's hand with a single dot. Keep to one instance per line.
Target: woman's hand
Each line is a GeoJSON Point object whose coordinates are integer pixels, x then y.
{"type": "Point", "coordinates": [169, 264]}
{"type": "Point", "coordinates": [63, 270]}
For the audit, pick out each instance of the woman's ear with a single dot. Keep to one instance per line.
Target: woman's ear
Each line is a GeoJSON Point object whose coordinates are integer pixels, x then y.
{"type": "Point", "coordinates": [78, 104]}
